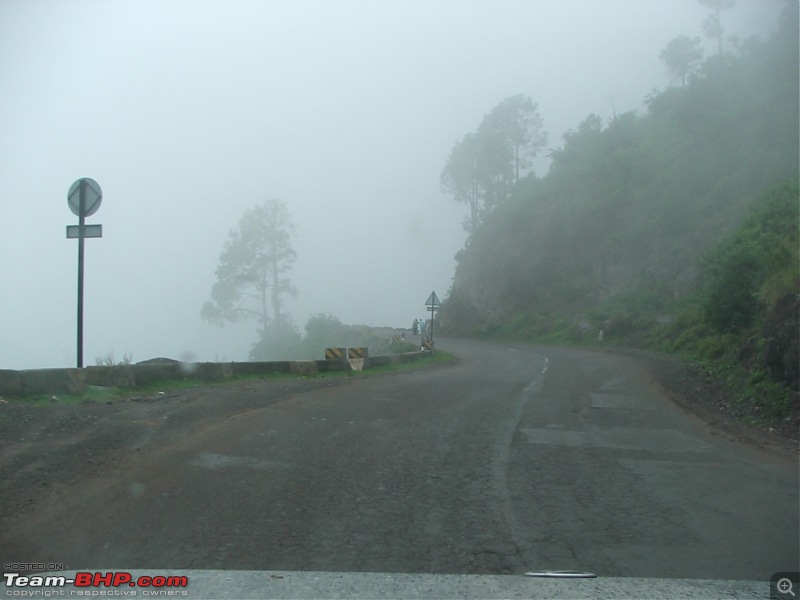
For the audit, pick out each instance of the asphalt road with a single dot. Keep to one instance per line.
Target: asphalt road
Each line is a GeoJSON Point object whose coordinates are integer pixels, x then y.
{"type": "Point", "coordinates": [516, 459]}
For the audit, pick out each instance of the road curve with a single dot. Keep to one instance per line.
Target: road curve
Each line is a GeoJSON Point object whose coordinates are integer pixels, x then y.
{"type": "Point", "coordinates": [518, 458]}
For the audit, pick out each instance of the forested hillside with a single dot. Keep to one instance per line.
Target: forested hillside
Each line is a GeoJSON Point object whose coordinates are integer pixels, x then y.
{"type": "Point", "coordinates": [624, 232]}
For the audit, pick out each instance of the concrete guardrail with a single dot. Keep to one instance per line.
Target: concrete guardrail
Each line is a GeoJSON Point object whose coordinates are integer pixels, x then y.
{"type": "Point", "coordinates": [34, 382]}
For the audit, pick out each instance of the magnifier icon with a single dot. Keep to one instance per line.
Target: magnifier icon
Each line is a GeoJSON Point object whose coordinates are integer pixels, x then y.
{"type": "Point", "coordinates": [785, 586]}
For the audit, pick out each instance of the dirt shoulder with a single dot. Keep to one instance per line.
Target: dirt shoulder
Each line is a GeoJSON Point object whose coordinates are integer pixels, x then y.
{"type": "Point", "coordinates": [712, 402]}
{"type": "Point", "coordinates": [61, 444]}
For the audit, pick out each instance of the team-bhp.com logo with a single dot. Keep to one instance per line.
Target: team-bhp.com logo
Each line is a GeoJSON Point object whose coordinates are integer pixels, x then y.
{"type": "Point", "coordinates": [87, 584]}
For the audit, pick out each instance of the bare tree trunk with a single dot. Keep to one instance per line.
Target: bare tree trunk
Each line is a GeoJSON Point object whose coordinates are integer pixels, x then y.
{"type": "Point", "coordinates": [264, 316]}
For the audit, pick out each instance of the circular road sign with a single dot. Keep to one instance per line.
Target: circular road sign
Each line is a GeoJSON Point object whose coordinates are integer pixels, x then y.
{"type": "Point", "coordinates": [93, 196]}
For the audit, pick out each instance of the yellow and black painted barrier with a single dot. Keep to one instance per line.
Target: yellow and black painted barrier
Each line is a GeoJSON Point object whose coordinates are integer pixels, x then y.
{"type": "Point", "coordinates": [357, 353]}
{"type": "Point", "coordinates": [334, 353]}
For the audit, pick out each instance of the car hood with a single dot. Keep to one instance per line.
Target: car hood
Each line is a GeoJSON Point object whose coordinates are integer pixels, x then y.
{"type": "Point", "coordinates": [321, 584]}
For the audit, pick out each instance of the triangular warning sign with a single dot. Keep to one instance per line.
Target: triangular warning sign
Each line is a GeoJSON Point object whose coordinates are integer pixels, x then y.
{"type": "Point", "coordinates": [433, 300]}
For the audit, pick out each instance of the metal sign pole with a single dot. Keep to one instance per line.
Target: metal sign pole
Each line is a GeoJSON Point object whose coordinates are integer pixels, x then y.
{"type": "Point", "coordinates": [84, 198]}
{"type": "Point", "coordinates": [433, 304]}
{"type": "Point", "coordinates": [81, 235]}
{"type": "Point", "coordinates": [432, 309]}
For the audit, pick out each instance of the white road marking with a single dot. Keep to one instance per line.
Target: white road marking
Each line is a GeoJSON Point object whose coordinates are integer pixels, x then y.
{"type": "Point", "coordinates": [537, 380]}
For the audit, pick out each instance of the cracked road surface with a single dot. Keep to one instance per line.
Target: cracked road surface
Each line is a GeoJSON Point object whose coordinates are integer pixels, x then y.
{"type": "Point", "coordinates": [517, 458]}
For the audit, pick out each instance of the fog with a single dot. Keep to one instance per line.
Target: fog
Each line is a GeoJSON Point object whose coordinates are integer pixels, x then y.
{"type": "Point", "coordinates": [189, 112]}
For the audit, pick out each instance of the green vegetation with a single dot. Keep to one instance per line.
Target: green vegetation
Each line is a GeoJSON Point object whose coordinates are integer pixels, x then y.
{"type": "Point", "coordinates": [109, 361]}
{"type": "Point", "coordinates": [676, 229]}
{"type": "Point", "coordinates": [252, 282]}
{"type": "Point", "coordinates": [323, 330]}
{"type": "Point", "coordinates": [399, 346]}
{"type": "Point", "coordinates": [743, 321]}
{"type": "Point", "coordinates": [99, 394]}
{"type": "Point", "coordinates": [485, 165]}
{"type": "Point", "coordinates": [252, 278]}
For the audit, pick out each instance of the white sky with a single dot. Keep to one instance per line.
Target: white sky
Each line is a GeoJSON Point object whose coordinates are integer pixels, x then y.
{"type": "Point", "coordinates": [188, 112]}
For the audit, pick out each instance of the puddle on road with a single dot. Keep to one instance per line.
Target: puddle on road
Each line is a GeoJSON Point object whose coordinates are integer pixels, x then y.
{"type": "Point", "coordinates": [222, 461]}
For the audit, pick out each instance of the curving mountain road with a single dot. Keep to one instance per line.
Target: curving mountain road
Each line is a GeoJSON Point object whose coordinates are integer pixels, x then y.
{"type": "Point", "coordinates": [518, 458]}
